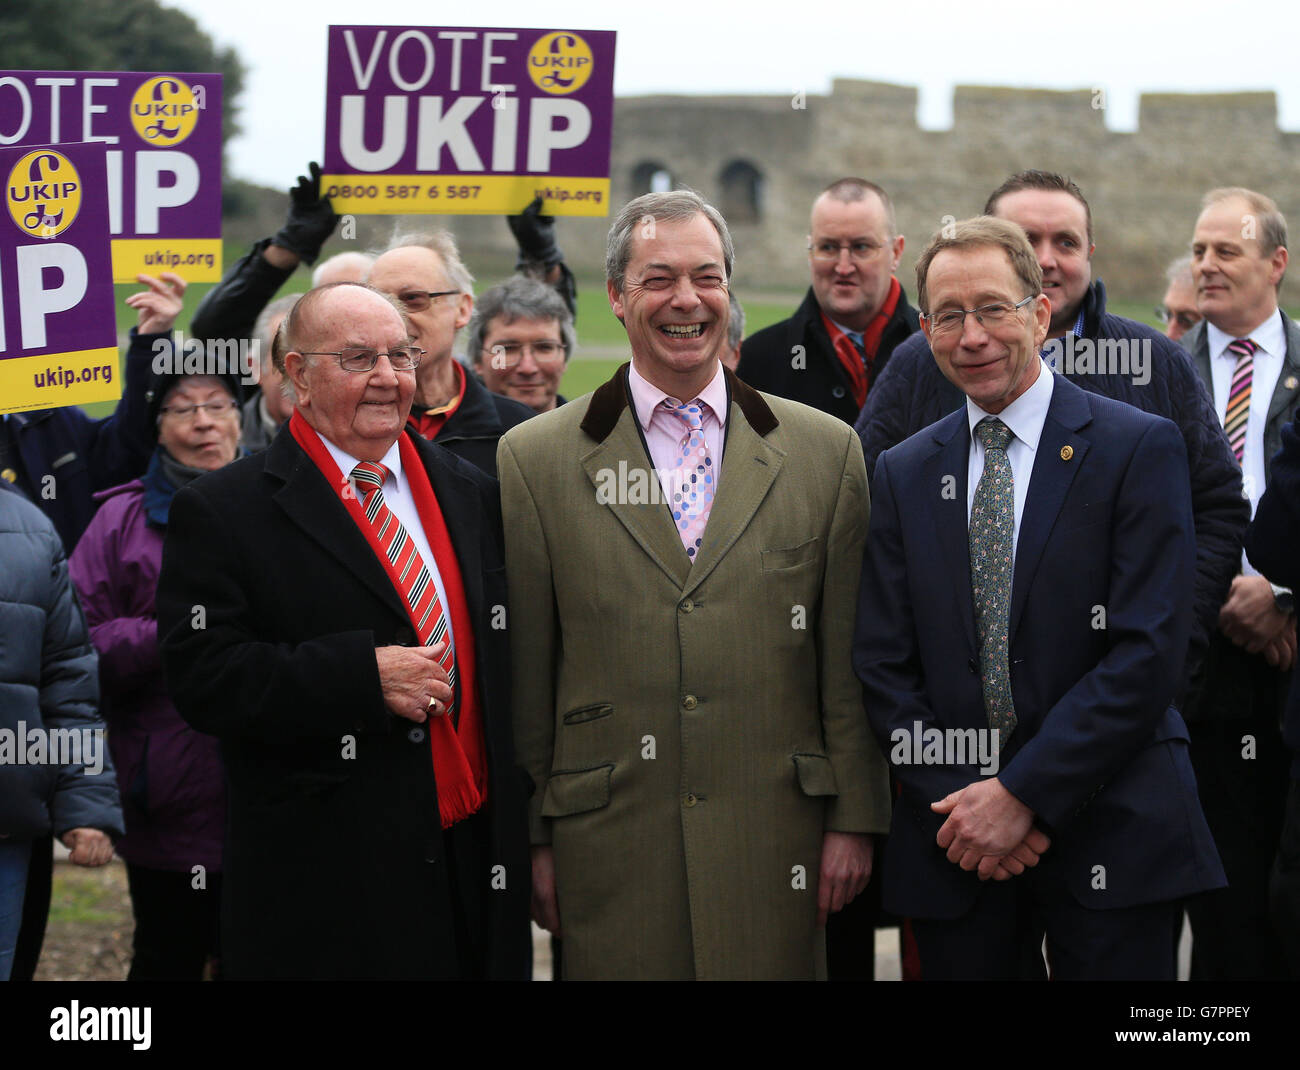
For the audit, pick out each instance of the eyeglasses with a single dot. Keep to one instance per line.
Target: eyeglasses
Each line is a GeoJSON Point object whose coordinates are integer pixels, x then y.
{"type": "Point", "coordinates": [402, 358]}
{"type": "Point", "coordinates": [859, 251]}
{"type": "Point", "coordinates": [986, 315]}
{"type": "Point", "coordinates": [508, 354]}
{"type": "Point", "coordinates": [218, 410]}
{"type": "Point", "coordinates": [1186, 320]}
{"type": "Point", "coordinates": [419, 300]}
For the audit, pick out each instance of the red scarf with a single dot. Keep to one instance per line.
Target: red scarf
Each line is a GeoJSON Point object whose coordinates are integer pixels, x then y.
{"type": "Point", "coordinates": [431, 421]}
{"type": "Point", "coordinates": [459, 754]}
{"type": "Point", "coordinates": [848, 352]}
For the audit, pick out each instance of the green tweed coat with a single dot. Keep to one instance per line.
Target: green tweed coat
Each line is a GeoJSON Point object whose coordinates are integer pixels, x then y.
{"type": "Point", "coordinates": [692, 729]}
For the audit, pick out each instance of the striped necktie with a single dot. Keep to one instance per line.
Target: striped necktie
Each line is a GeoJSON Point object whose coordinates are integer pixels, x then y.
{"type": "Point", "coordinates": [418, 588]}
{"type": "Point", "coordinates": [1237, 415]}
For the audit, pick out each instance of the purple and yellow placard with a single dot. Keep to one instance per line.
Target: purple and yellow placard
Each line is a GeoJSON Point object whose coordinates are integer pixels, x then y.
{"type": "Point", "coordinates": [163, 137]}
{"type": "Point", "coordinates": [468, 121]}
{"type": "Point", "coordinates": [58, 335]}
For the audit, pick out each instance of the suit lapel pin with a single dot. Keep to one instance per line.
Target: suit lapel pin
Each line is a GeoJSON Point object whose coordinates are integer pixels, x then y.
{"type": "Point", "coordinates": [1067, 452]}
{"type": "Point", "coordinates": [1291, 382]}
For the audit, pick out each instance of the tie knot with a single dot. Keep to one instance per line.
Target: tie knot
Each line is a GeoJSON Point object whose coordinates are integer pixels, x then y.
{"type": "Point", "coordinates": [691, 413]}
{"type": "Point", "coordinates": [370, 474]}
{"type": "Point", "coordinates": [1243, 347]}
{"type": "Point", "coordinates": [993, 433]}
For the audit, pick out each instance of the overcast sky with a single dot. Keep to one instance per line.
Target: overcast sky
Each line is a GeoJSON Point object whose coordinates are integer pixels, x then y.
{"type": "Point", "coordinates": [783, 46]}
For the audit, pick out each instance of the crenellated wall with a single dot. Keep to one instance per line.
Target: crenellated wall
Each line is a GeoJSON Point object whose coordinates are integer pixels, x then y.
{"type": "Point", "coordinates": [1144, 187]}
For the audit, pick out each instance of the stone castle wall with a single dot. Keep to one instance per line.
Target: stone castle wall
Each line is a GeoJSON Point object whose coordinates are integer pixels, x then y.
{"type": "Point", "coordinates": [1144, 187]}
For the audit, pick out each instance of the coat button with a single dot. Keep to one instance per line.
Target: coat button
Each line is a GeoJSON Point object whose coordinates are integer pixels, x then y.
{"type": "Point", "coordinates": [416, 735]}
{"type": "Point", "coordinates": [691, 799]}
{"type": "Point", "coordinates": [686, 606]}
{"type": "Point", "coordinates": [837, 392]}
{"type": "Point", "coordinates": [690, 702]}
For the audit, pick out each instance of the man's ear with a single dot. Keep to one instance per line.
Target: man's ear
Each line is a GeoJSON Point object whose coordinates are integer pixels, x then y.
{"type": "Point", "coordinates": [1280, 259]}
{"type": "Point", "coordinates": [615, 300]}
{"type": "Point", "coordinates": [464, 309]}
{"type": "Point", "coordinates": [295, 366]}
{"type": "Point", "coordinates": [896, 247]}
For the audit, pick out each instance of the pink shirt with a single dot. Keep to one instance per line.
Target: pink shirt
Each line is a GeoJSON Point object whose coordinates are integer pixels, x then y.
{"type": "Point", "coordinates": [664, 431]}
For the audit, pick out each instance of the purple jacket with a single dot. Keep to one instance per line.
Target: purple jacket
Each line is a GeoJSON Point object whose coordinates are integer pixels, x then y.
{"type": "Point", "coordinates": [171, 778]}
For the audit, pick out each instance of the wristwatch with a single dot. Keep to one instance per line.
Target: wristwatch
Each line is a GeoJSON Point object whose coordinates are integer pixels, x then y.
{"type": "Point", "coordinates": [1283, 599]}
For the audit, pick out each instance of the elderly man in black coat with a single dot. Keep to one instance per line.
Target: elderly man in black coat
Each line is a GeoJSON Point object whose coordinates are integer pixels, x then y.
{"type": "Point", "coordinates": [333, 611]}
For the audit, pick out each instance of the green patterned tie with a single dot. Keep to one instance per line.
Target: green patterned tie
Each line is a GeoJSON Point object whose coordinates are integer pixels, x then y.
{"type": "Point", "coordinates": [992, 540]}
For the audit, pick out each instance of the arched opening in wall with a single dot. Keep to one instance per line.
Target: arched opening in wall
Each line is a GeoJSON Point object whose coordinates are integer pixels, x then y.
{"type": "Point", "coordinates": [740, 189]}
{"type": "Point", "coordinates": [651, 176]}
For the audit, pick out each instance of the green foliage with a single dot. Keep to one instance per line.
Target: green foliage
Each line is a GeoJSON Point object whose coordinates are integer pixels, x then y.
{"type": "Point", "coordinates": [116, 35]}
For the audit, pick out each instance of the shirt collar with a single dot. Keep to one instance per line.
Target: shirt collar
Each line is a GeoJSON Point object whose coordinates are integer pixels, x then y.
{"type": "Point", "coordinates": [1269, 336]}
{"type": "Point", "coordinates": [646, 397]}
{"type": "Point", "coordinates": [857, 336]}
{"type": "Point", "coordinates": [1026, 415]}
{"type": "Point", "coordinates": [392, 460]}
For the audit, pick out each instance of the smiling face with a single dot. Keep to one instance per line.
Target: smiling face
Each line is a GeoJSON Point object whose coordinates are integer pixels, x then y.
{"type": "Point", "coordinates": [199, 440]}
{"type": "Point", "coordinates": [1057, 227]}
{"type": "Point", "coordinates": [1236, 285]}
{"type": "Point", "coordinates": [990, 365]}
{"type": "Point", "coordinates": [414, 269]}
{"type": "Point", "coordinates": [850, 291]}
{"type": "Point", "coordinates": [674, 304]}
{"type": "Point", "coordinates": [530, 382]}
{"type": "Point", "coordinates": [360, 412]}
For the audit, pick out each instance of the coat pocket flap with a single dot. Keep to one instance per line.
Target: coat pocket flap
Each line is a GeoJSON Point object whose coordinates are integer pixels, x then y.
{"type": "Point", "coordinates": [816, 774]}
{"type": "Point", "coordinates": [575, 791]}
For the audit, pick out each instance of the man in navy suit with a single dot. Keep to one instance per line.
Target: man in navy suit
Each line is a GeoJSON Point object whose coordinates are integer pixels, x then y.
{"type": "Point", "coordinates": [1025, 607]}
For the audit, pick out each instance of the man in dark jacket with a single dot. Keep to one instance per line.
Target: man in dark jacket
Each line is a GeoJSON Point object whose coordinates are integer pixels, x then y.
{"type": "Point", "coordinates": [1159, 378]}
{"type": "Point", "coordinates": [830, 351]}
{"type": "Point", "coordinates": [326, 609]}
{"type": "Point", "coordinates": [1247, 353]}
{"type": "Point", "coordinates": [1271, 543]}
{"type": "Point", "coordinates": [425, 273]}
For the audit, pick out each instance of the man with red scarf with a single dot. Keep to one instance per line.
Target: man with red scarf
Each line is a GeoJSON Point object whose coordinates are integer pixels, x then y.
{"type": "Point", "coordinates": [333, 610]}
{"type": "Point", "coordinates": [828, 353]}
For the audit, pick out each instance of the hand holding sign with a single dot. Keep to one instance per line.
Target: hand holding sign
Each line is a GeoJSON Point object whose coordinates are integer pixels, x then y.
{"type": "Point", "coordinates": [311, 218]}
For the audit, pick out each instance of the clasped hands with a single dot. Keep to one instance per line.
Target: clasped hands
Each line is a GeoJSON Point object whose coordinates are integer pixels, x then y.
{"type": "Point", "coordinates": [989, 830]}
{"type": "Point", "coordinates": [1250, 618]}
{"type": "Point", "coordinates": [411, 676]}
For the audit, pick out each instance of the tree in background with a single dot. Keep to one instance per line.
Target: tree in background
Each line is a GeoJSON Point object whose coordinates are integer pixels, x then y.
{"type": "Point", "coordinates": [116, 35]}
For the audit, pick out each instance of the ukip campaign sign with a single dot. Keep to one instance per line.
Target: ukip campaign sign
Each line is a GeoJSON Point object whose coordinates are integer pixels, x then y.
{"type": "Point", "coordinates": [163, 134]}
{"type": "Point", "coordinates": [468, 121]}
{"type": "Point", "coordinates": [58, 335]}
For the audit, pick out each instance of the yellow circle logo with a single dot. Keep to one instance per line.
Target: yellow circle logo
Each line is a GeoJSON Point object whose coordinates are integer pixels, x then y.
{"type": "Point", "coordinates": [164, 111]}
{"type": "Point", "coordinates": [43, 193]}
{"type": "Point", "coordinates": [560, 63]}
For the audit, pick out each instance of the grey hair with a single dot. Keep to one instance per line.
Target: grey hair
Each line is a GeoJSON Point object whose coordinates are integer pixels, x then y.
{"type": "Point", "coordinates": [442, 242]}
{"type": "Point", "coordinates": [518, 298]}
{"type": "Point", "coordinates": [735, 325]}
{"type": "Point", "coordinates": [1180, 271]}
{"type": "Point", "coordinates": [680, 204]}
{"type": "Point", "coordinates": [262, 326]}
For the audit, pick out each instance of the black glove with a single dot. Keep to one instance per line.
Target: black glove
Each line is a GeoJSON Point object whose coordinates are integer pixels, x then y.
{"type": "Point", "coordinates": [535, 235]}
{"type": "Point", "coordinates": [311, 219]}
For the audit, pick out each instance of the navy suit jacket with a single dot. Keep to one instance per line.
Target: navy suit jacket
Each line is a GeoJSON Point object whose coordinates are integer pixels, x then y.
{"type": "Point", "coordinates": [1101, 609]}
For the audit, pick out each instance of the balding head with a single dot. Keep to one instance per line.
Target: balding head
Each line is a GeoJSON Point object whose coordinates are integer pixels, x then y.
{"type": "Point", "coordinates": [345, 267]}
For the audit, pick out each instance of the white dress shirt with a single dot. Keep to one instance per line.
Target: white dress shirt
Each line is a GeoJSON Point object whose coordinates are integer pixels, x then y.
{"type": "Point", "coordinates": [1025, 417]}
{"type": "Point", "coordinates": [1271, 339]}
{"type": "Point", "coordinates": [401, 503]}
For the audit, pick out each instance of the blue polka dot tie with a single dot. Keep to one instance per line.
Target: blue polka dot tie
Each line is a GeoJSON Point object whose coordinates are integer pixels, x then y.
{"type": "Point", "coordinates": [992, 542]}
{"type": "Point", "coordinates": [692, 476]}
